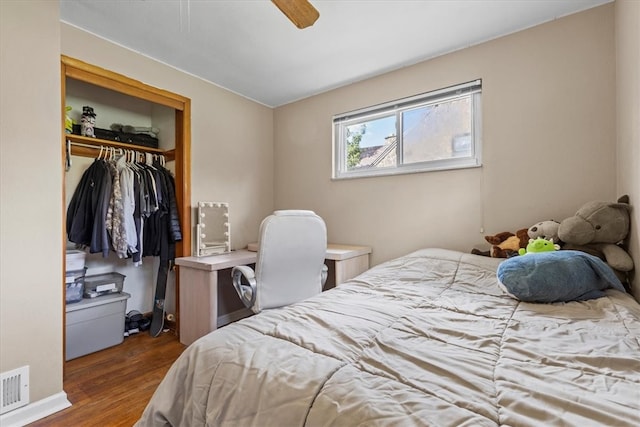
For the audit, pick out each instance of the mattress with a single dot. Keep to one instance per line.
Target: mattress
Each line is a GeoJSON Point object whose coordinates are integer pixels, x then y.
{"type": "Point", "coordinates": [425, 339]}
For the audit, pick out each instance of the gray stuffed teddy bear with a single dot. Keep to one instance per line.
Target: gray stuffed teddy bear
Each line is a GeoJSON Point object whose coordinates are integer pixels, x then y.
{"type": "Point", "coordinates": [599, 228]}
{"type": "Point", "coordinates": [547, 230]}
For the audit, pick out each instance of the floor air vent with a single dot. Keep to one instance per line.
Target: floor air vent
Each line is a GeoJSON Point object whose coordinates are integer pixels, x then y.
{"type": "Point", "coordinates": [15, 389]}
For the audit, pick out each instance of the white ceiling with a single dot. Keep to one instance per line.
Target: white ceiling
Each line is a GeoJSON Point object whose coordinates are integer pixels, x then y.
{"type": "Point", "coordinates": [251, 48]}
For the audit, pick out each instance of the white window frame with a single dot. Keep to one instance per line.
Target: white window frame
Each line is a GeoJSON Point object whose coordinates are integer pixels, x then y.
{"type": "Point", "coordinates": [342, 121]}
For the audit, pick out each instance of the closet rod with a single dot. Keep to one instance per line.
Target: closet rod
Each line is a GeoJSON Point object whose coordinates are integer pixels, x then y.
{"type": "Point", "coordinates": [92, 148]}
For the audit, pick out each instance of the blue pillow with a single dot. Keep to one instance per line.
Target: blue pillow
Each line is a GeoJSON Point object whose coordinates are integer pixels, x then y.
{"type": "Point", "coordinates": [556, 276]}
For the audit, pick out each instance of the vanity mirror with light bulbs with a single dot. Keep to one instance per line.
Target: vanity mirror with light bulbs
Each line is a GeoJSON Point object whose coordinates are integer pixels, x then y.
{"type": "Point", "coordinates": [213, 235]}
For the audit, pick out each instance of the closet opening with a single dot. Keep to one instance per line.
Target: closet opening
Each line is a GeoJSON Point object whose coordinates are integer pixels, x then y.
{"type": "Point", "coordinates": [140, 134]}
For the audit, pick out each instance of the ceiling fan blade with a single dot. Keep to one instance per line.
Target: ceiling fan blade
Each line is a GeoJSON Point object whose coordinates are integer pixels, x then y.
{"type": "Point", "coordinates": [300, 12]}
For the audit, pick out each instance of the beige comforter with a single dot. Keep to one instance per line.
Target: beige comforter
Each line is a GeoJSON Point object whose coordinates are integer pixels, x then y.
{"type": "Point", "coordinates": [426, 339]}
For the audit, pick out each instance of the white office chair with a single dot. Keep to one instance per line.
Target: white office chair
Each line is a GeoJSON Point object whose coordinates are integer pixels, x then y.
{"type": "Point", "coordinates": [290, 262]}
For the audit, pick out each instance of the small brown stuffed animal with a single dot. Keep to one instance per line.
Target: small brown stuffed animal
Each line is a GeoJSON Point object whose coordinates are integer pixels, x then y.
{"type": "Point", "coordinates": [505, 244]}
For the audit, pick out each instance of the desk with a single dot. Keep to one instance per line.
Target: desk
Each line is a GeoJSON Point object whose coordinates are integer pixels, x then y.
{"type": "Point", "coordinates": [199, 282]}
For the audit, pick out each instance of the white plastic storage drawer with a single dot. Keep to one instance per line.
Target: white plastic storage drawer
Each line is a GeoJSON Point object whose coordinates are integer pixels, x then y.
{"type": "Point", "coordinates": [95, 324]}
{"type": "Point", "coordinates": [75, 259]}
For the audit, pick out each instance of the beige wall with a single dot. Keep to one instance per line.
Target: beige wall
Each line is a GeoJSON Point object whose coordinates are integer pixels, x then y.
{"type": "Point", "coordinates": [549, 143]}
{"type": "Point", "coordinates": [627, 16]}
{"type": "Point", "coordinates": [31, 194]}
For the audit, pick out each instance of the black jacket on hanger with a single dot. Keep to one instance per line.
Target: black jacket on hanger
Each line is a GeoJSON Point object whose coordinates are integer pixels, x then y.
{"type": "Point", "coordinates": [163, 226]}
{"type": "Point", "coordinates": [86, 214]}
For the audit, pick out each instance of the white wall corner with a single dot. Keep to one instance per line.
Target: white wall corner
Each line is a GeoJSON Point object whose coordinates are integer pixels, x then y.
{"type": "Point", "coordinates": [35, 411]}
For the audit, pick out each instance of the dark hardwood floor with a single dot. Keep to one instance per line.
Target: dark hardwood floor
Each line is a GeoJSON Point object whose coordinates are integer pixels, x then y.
{"type": "Point", "coordinates": [112, 387]}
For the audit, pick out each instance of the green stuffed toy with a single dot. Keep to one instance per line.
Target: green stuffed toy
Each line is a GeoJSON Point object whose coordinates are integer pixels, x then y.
{"type": "Point", "coordinates": [539, 245]}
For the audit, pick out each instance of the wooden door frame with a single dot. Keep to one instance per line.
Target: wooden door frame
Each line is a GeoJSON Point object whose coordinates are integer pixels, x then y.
{"type": "Point", "coordinates": [181, 153]}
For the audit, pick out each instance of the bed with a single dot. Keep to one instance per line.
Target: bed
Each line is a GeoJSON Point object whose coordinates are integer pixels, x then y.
{"type": "Point", "coordinates": [426, 339]}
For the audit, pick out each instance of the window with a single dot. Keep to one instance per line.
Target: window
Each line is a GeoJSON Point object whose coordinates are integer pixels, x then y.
{"type": "Point", "coordinates": [432, 131]}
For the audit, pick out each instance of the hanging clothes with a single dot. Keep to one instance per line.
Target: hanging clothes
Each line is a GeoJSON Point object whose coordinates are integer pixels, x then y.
{"type": "Point", "coordinates": [163, 225]}
{"type": "Point", "coordinates": [115, 221]}
{"type": "Point", "coordinates": [127, 207]}
{"type": "Point", "coordinates": [86, 214]}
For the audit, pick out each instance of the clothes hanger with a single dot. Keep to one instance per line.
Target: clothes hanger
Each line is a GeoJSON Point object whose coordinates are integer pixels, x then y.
{"type": "Point", "coordinates": [67, 164]}
{"type": "Point", "coordinates": [131, 160]}
{"type": "Point", "coordinates": [149, 160]}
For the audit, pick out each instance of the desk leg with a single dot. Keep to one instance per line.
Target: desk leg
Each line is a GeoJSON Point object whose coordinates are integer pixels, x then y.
{"type": "Point", "coordinates": [350, 268]}
{"type": "Point", "coordinates": [198, 303]}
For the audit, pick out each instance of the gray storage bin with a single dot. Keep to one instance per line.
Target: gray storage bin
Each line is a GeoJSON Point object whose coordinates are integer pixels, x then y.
{"type": "Point", "coordinates": [95, 324]}
{"type": "Point", "coordinates": [103, 284]}
{"type": "Point", "coordinates": [74, 284]}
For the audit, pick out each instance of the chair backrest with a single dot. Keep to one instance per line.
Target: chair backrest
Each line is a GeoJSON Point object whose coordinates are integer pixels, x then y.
{"type": "Point", "coordinates": [291, 252]}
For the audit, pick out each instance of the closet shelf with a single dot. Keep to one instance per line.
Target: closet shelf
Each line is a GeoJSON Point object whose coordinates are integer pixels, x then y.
{"type": "Point", "coordinates": [97, 142]}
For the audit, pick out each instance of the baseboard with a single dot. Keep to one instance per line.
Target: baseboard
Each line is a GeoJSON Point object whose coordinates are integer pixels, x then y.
{"type": "Point", "coordinates": [225, 319]}
{"type": "Point", "coordinates": [35, 411]}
